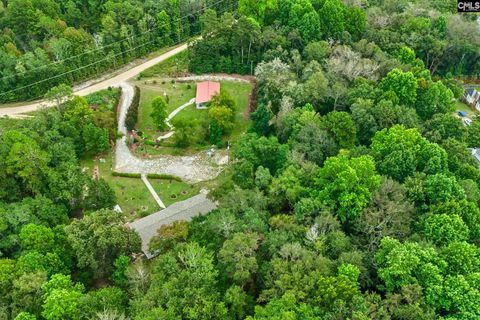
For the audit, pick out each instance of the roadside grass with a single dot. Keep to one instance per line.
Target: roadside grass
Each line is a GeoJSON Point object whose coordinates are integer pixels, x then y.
{"type": "Point", "coordinates": [7, 123]}
{"type": "Point", "coordinates": [172, 67]}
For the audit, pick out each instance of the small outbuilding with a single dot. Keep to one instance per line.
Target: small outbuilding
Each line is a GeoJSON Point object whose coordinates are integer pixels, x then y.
{"type": "Point", "coordinates": [205, 92]}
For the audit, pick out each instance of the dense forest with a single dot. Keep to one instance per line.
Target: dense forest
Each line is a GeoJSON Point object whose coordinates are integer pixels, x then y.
{"type": "Point", "coordinates": [46, 42]}
{"type": "Point", "coordinates": [354, 195]}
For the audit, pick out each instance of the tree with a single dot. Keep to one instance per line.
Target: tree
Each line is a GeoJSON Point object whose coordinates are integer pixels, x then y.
{"type": "Point", "coordinates": [332, 19]}
{"type": "Point", "coordinates": [400, 152]}
{"type": "Point", "coordinates": [238, 255]}
{"type": "Point", "coordinates": [401, 264]}
{"type": "Point", "coordinates": [317, 51]}
{"type": "Point", "coordinates": [355, 21]}
{"type": "Point", "coordinates": [461, 257]}
{"type": "Point", "coordinates": [346, 185]}
{"type": "Point", "coordinates": [261, 120]}
{"type": "Point", "coordinates": [316, 144]}
{"type": "Point", "coordinates": [389, 214]}
{"type": "Point", "coordinates": [38, 238]}
{"type": "Point", "coordinates": [261, 151]}
{"type": "Point", "coordinates": [473, 131]}
{"type": "Point", "coordinates": [185, 132]}
{"type": "Point", "coordinates": [433, 98]}
{"type": "Point", "coordinates": [402, 84]}
{"type": "Point", "coordinates": [443, 126]}
{"type": "Point", "coordinates": [159, 112]}
{"type": "Point", "coordinates": [59, 95]}
{"type": "Point", "coordinates": [184, 285]}
{"type": "Point", "coordinates": [168, 236]}
{"type": "Point", "coordinates": [223, 117]}
{"type": "Point", "coordinates": [99, 238]}
{"type": "Point", "coordinates": [443, 229]}
{"type": "Point", "coordinates": [119, 276]}
{"type": "Point", "coordinates": [25, 316]}
{"type": "Point", "coordinates": [341, 126]}
{"type": "Point", "coordinates": [61, 298]}
{"type": "Point", "coordinates": [433, 189]}
{"type": "Point", "coordinates": [95, 139]}
{"type": "Point", "coordinates": [286, 307]}
{"type": "Point", "coordinates": [27, 293]}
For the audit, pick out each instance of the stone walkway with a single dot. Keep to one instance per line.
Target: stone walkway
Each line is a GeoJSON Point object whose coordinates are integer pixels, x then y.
{"type": "Point", "coordinates": [170, 116]}
{"type": "Point", "coordinates": [152, 191]}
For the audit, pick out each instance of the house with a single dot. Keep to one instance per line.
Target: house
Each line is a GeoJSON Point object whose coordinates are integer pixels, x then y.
{"type": "Point", "coordinates": [205, 92]}
{"type": "Point", "coordinates": [472, 98]}
{"type": "Point", "coordinates": [148, 226]}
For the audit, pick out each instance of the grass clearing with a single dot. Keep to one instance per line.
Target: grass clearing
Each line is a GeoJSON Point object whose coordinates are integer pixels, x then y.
{"type": "Point", "coordinates": [171, 191]}
{"type": "Point", "coordinates": [461, 106]}
{"type": "Point", "coordinates": [132, 194]}
{"type": "Point", "coordinates": [178, 94]}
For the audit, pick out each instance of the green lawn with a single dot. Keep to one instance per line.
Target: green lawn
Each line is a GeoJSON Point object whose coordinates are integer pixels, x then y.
{"type": "Point", "coordinates": [171, 191]}
{"type": "Point", "coordinates": [132, 194]}
{"type": "Point", "coordinates": [178, 94]}
{"type": "Point", "coordinates": [240, 92]}
{"type": "Point", "coordinates": [461, 106]}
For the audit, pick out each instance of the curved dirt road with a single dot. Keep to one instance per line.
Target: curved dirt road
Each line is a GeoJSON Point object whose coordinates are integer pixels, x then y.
{"type": "Point", "coordinates": [115, 81]}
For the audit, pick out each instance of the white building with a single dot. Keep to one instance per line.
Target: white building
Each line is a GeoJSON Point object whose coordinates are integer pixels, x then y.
{"type": "Point", "coordinates": [472, 97]}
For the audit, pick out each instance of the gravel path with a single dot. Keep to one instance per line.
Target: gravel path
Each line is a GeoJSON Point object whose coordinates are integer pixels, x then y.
{"type": "Point", "coordinates": [211, 77]}
{"type": "Point", "coordinates": [196, 168]}
{"type": "Point", "coordinates": [170, 116]}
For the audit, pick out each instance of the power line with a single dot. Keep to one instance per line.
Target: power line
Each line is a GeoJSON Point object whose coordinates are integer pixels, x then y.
{"type": "Point", "coordinates": [83, 67]}
{"type": "Point", "coordinates": [113, 43]}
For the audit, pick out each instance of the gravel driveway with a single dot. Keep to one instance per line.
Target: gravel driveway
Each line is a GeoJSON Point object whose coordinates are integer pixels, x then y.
{"type": "Point", "coordinates": [196, 168]}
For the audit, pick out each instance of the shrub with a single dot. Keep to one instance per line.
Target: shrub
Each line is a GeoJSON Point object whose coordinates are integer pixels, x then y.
{"type": "Point", "coordinates": [132, 113]}
{"type": "Point", "coordinates": [163, 176]}
{"type": "Point", "coordinates": [125, 175]}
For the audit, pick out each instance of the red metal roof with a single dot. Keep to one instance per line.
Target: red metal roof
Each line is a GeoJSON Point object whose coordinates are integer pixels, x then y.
{"type": "Point", "coordinates": [206, 90]}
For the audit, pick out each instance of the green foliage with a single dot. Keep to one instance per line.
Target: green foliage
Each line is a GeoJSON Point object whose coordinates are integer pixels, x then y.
{"type": "Point", "coordinates": [400, 152]}
{"type": "Point", "coordinates": [132, 113]}
{"type": "Point", "coordinates": [401, 84]}
{"type": "Point", "coordinates": [443, 229]}
{"type": "Point", "coordinates": [433, 98]}
{"type": "Point", "coordinates": [341, 126]}
{"type": "Point", "coordinates": [159, 113]}
{"type": "Point", "coordinates": [99, 238]}
{"type": "Point", "coordinates": [168, 236]}
{"type": "Point", "coordinates": [95, 138]}
{"type": "Point", "coordinates": [185, 132]}
{"type": "Point", "coordinates": [261, 151]}
{"type": "Point", "coordinates": [346, 185]}
{"type": "Point", "coordinates": [238, 257]}
{"type": "Point", "coordinates": [61, 298]}
{"type": "Point", "coordinates": [183, 285]}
